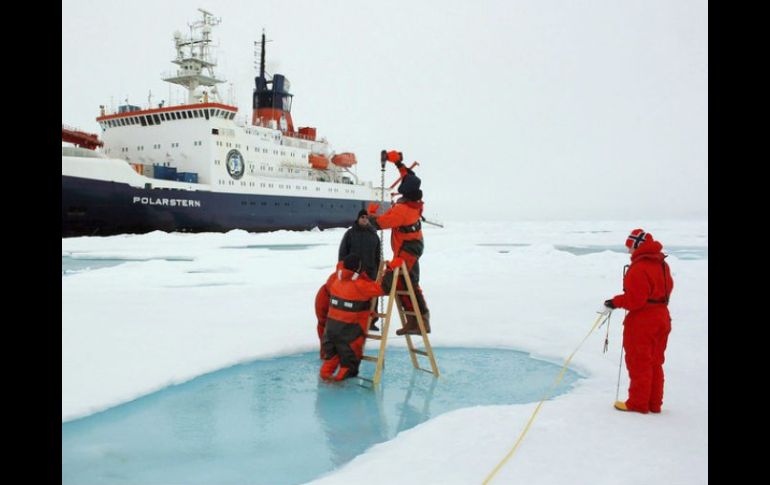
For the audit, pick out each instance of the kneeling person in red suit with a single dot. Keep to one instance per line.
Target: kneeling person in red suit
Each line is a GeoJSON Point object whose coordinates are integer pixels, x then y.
{"type": "Point", "coordinates": [342, 345]}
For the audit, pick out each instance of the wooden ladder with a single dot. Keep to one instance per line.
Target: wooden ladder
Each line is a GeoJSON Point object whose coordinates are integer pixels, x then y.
{"type": "Point", "coordinates": [393, 297]}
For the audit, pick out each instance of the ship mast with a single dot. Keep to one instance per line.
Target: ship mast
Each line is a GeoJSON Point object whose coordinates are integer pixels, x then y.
{"type": "Point", "coordinates": [262, 56]}
{"type": "Point", "coordinates": [193, 56]}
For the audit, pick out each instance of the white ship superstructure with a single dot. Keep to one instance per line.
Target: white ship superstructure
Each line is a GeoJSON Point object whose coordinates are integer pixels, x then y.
{"type": "Point", "coordinates": [285, 177]}
{"type": "Point", "coordinates": [204, 139]}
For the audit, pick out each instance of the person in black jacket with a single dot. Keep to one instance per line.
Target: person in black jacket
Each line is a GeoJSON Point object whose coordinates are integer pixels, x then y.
{"type": "Point", "coordinates": [362, 239]}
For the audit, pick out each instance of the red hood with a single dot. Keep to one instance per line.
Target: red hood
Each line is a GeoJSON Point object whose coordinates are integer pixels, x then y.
{"type": "Point", "coordinates": [344, 274]}
{"type": "Point", "coordinates": [413, 204]}
{"type": "Point", "coordinates": [649, 249]}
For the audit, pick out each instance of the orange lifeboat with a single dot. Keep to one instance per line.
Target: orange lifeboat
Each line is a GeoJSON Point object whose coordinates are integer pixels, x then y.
{"type": "Point", "coordinates": [319, 162]}
{"type": "Point", "coordinates": [80, 138]}
{"type": "Point", "coordinates": [344, 159]}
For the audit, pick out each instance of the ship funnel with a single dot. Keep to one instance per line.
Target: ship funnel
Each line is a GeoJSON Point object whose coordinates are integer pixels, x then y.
{"type": "Point", "coordinates": [272, 99]}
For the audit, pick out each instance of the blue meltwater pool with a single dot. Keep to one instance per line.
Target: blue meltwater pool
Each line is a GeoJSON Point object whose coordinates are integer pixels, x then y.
{"type": "Point", "coordinates": [275, 422]}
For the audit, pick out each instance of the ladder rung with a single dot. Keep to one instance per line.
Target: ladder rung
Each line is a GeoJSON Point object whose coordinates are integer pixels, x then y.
{"type": "Point", "coordinates": [381, 315]}
{"type": "Point", "coordinates": [410, 313]}
{"type": "Point", "coordinates": [365, 379]}
{"type": "Point", "coordinates": [425, 370]}
{"type": "Point", "coordinates": [369, 358]}
{"type": "Point", "coordinates": [402, 292]}
{"type": "Point", "coordinates": [421, 352]}
{"type": "Point", "coordinates": [374, 336]}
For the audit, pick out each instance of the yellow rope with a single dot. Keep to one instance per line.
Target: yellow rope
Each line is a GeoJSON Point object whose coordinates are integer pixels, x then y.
{"type": "Point", "coordinates": [540, 404]}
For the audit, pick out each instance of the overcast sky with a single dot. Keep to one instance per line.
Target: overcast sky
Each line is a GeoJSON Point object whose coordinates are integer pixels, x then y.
{"type": "Point", "coordinates": [515, 109]}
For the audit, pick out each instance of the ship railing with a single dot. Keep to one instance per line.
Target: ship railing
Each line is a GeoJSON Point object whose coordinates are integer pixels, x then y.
{"type": "Point", "coordinates": [182, 73]}
{"type": "Point", "coordinates": [296, 134]}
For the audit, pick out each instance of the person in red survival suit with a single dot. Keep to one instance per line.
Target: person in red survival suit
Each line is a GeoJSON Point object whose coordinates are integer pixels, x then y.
{"type": "Point", "coordinates": [647, 287]}
{"type": "Point", "coordinates": [404, 219]}
{"type": "Point", "coordinates": [322, 306]}
{"type": "Point", "coordinates": [350, 292]}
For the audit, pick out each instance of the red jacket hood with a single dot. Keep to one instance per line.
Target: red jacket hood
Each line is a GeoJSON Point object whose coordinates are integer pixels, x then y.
{"type": "Point", "coordinates": [649, 249]}
{"type": "Point", "coordinates": [418, 204]}
{"type": "Point", "coordinates": [346, 274]}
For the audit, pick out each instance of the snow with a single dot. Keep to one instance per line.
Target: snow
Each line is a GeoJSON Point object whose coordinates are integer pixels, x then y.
{"type": "Point", "coordinates": [132, 329]}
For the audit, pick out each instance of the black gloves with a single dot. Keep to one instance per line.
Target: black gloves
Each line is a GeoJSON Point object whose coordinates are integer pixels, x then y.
{"type": "Point", "coordinates": [609, 304]}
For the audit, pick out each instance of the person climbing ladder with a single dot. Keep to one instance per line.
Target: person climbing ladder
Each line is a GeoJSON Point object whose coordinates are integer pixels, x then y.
{"type": "Point", "coordinates": [404, 218]}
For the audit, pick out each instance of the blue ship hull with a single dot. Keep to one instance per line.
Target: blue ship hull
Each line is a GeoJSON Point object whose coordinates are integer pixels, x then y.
{"type": "Point", "coordinates": [98, 208]}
